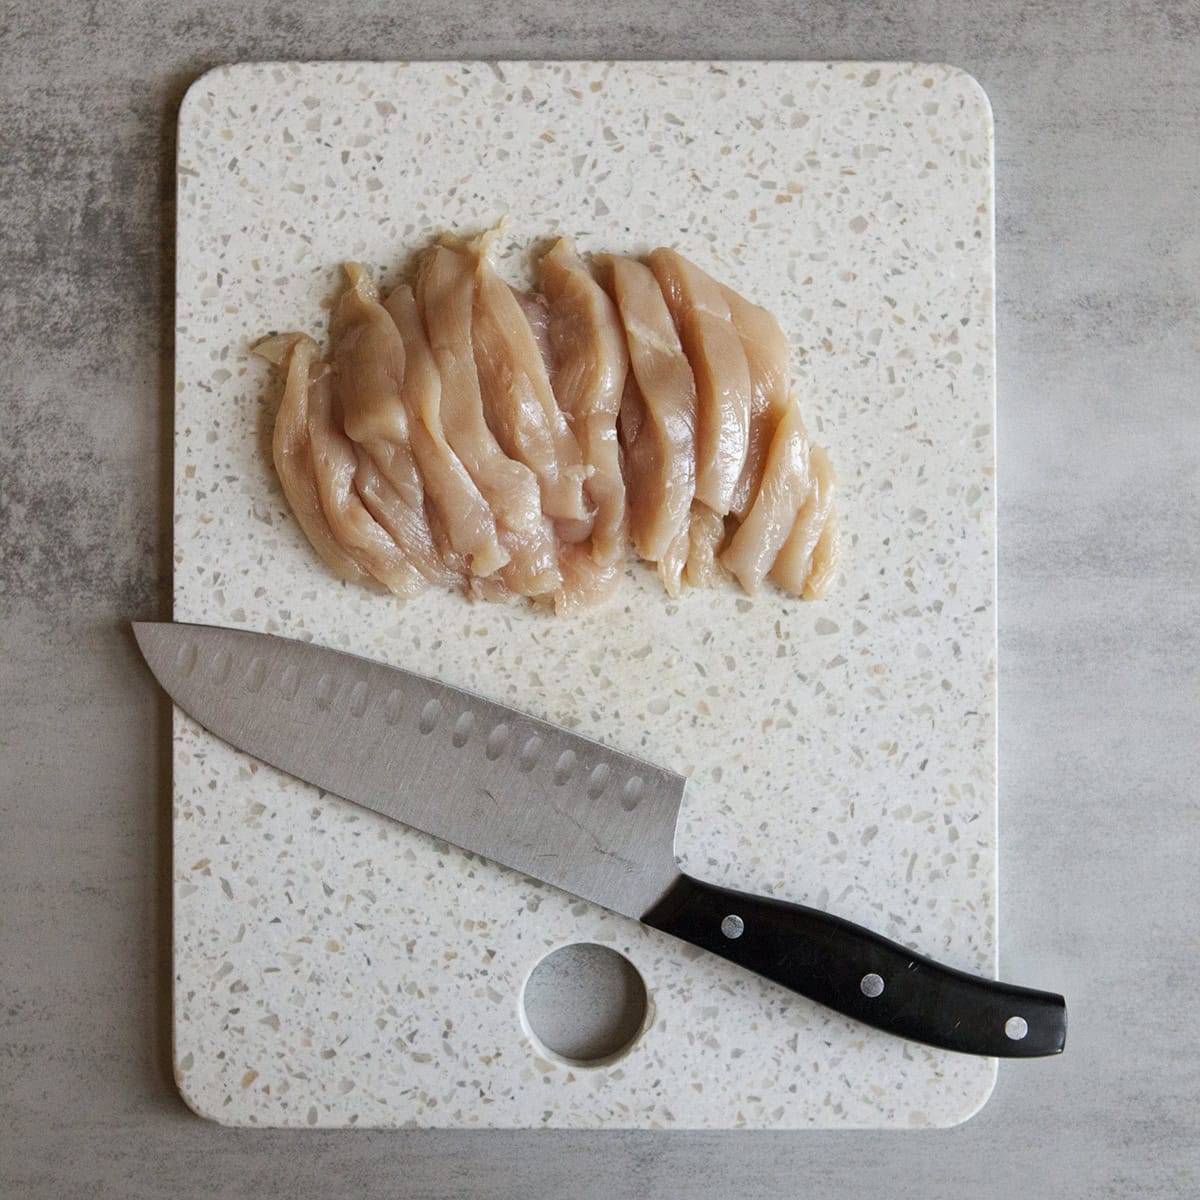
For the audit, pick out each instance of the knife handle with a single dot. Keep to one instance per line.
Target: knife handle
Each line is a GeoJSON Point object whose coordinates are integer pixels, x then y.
{"type": "Point", "coordinates": [862, 975]}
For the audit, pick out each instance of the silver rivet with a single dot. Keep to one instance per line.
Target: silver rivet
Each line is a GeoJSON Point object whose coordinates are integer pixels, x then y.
{"type": "Point", "coordinates": [392, 707]}
{"type": "Point", "coordinates": [326, 690]}
{"type": "Point", "coordinates": [1016, 1028]}
{"type": "Point", "coordinates": [733, 926]}
{"type": "Point", "coordinates": [358, 698]}
{"type": "Point", "coordinates": [871, 985]}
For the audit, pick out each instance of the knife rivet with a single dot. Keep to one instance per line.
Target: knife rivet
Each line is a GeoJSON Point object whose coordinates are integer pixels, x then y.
{"type": "Point", "coordinates": [733, 926]}
{"type": "Point", "coordinates": [392, 707]}
{"type": "Point", "coordinates": [871, 985]}
{"type": "Point", "coordinates": [358, 698]}
{"type": "Point", "coordinates": [1016, 1028]}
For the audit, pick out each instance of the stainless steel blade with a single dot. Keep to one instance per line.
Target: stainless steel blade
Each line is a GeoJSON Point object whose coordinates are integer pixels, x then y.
{"type": "Point", "coordinates": [522, 792]}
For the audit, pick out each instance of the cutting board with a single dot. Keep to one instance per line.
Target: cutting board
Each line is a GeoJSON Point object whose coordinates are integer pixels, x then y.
{"type": "Point", "coordinates": [332, 969]}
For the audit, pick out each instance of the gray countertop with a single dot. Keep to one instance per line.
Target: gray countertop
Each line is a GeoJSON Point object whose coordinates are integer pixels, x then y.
{"type": "Point", "coordinates": [1098, 179]}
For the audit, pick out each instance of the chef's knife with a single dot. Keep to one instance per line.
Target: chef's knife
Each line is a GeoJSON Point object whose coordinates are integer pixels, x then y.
{"type": "Point", "coordinates": [566, 810]}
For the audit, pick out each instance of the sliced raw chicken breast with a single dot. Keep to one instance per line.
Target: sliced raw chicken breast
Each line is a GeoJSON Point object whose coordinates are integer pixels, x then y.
{"type": "Point", "coordinates": [537, 313]}
{"type": "Point", "coordinates": [585, 582]}
{"type": "Point", "coordinates": [794, 564]}
{"type": "Point", "coordinates": [445, 295]}
{"type": "Point", "coordinates": [713, 348]}
{"type": "Point", "coordinates": [368, 363]}
{"type": "Point", "coordinates": [457, 509]}
{"type": "Point", "coordinates": [783, 487]}
{"type": "Point", "coordinates": [298, 355]}
{"type": "Point", "coordinates": [660, 446]}
{"type": "Point", "coordinates": [378, 481]}
{"type": "Point", "coordinates": [316, 463]}
{"type": "Point", "coordinates": [367, 357]}
{"type": "Point", "coordinates": [518, 402]}
{"type": "Point", "coordinates": [706, 534]}
{"type": "Point", "coordinates": [825, 558]}
{"type": "Point", "coordinates": [591, 362]}
{"type": "Point", "coordinates": [335, 465]}
{"type": "Point", "coordinates": [507, 442]}
{"type": "Point", "coordinates": [767, 356]}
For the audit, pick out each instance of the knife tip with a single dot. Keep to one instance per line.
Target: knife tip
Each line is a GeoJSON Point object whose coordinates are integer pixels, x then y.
{"type": "Point", "coordinates": [150, 640]}
{"type": "Point", "coordinates": [141, 630]}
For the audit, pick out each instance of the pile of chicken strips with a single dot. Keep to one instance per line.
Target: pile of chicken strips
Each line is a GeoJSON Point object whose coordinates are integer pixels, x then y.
{"type": "Point", "coordinates": [463, 433]}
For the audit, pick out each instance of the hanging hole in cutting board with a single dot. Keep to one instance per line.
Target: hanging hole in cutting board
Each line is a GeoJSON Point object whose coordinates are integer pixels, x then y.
{"type": "Point", "coordinates": [584, 1005]}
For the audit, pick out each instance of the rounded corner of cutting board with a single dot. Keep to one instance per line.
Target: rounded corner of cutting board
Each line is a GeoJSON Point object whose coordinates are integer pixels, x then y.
{"type": "Point", "coordinates": [206, 81]}
{"type": "Point", "coordinates": [973, 1103]}
{"type": "Point", "coordinates": [195, 1091]}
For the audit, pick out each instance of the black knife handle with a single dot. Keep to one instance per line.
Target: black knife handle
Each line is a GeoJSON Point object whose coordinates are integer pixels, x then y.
{"type": "Point", "coordinates": [862, 975]}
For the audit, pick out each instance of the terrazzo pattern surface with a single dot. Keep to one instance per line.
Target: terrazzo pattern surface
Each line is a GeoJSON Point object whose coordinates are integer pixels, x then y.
{"type": "Point", "coordinates": [1097, 111]}
{"type": "Point", "coordinates": [333, 969]}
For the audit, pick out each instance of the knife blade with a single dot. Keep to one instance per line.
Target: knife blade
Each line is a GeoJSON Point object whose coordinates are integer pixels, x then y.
{"type": "Point", "coordinates": [566, 810]}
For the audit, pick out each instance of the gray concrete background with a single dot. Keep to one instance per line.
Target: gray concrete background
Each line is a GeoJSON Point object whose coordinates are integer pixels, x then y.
{"type": "Point", "coordinates": [1098, 167]}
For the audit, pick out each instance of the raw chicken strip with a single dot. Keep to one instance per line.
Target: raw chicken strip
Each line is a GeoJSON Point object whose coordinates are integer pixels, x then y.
{"type": "Point", "coordinates": [334, 466]}
{"type": "Point", "coordinates": [378, 481]}
{"type": "Point", "coordinates": [445, 293]}
{"type": "Point", "coordinates": [825, 557]}
{"type": "Point", "coordinates": [794, 564]}
{"type": "Point", "coordinates": [537, 313]}
{"type": "Point", "coordinates": [591, 362]}
{"type": "Point", "coordinates": [660, 447]}
{"type": "Point", "coordinates": [784, 486]}
{"type": "Point", "coordinates": [633, 412]}
{"type": "Point", "coordinates": [518, 401]}
{"type": "Point", "coordinates": [706, 533]}
{"type": "Point", "coordinates": [297, 354]}
{"type": "Point", "coordinates": [368, 363]}
{"type": "Point", "coordinates": [767, 354]}
{"type": "Point", "coordinates": [718, 361]}
{"type": "Point", "coordinates": [457, 510]}
{"type": "Point", "coordinates": [585, 582]}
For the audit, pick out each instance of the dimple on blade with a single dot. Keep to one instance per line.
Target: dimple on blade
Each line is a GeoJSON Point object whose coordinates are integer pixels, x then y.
{"type": "Point", "coordinates": [497, 782]}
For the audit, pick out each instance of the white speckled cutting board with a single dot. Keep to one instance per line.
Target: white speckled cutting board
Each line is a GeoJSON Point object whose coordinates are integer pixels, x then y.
{"type": "Point", "coordinates": [334, 969]}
